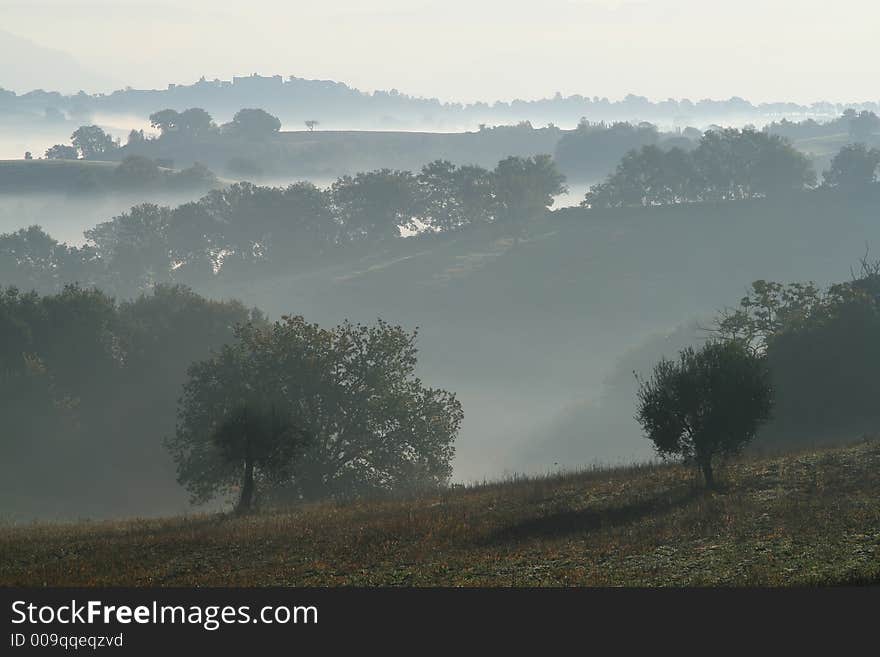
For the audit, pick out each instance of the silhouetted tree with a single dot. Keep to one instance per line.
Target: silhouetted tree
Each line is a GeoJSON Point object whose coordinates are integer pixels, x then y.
{"type": "Point", "coordinates": [167, 120]}
{"type": "Point", "coordinates": [375, 205]}
{"type": "Point", "coordinates": [254, 124]}
{"type": "Point", "coordinates": [451, 197]}
{"type": "Point", "coordinates": [709, 402]}
{"type": "Point", "coordinates": [371, 423]}
{"type": "Point", "coordinates": [92, 141]}
{"type": "Point", "coordinates": [728, 164]}
{"type": "Point", "coordinates": [195, 122]}
{"type": "Point", "coordinates": [524, 189]}
{"type": "Point", "coordinates": [75, 369]}
{"type": "Point", "coordinates": [134, 248]}
{"type": "Point", "coordinates": [593, 148]}
{"type": "Point", "coordinates": [822, 351]}
{"type": "Point", "coordinates": [854, 166]}
{"type": "Point", "coordinates": [311, 124]}
{"type": "Point", "coordinates": [863, 125]}
{"type": "Point", "coordinates": [62, 152]}
{"type": "Point", "coordinates": [257, 440]}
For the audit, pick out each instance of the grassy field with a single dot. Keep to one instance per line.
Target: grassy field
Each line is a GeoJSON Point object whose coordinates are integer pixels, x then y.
{"type": "Point", "coordinates": [808, 518]}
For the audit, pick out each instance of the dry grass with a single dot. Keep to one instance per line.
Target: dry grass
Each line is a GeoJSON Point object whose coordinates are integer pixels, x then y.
{"type": "Point", "coordinates": [810, 518]}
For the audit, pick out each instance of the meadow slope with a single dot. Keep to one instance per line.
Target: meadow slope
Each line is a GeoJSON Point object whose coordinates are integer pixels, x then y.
{"type": "Point", "coordinates": [807, 518]}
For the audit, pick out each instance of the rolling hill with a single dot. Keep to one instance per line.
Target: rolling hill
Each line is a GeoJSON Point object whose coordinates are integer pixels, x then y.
{"type": "Point", "coordinates": [802, 519]}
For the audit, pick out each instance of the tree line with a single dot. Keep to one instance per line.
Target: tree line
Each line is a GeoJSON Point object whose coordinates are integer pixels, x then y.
{"type": "Point", "coordinates": [593, 149]}
{"type": "Point", "coordinates": [282, 410]}
{"type": "Point", "coordinates": [728, 164]}
{"type": "Point", "coordinates": [245, 228]}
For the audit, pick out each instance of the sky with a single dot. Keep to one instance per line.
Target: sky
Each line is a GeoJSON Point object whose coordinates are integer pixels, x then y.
{"type": "Point", "coordinates": [466, 50]}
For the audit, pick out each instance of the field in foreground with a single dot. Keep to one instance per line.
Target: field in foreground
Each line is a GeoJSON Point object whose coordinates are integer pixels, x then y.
{"type": "Point", "coordinates": [809, 518]}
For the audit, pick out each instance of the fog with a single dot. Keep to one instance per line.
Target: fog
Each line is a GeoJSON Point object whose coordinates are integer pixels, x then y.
{"type": "Point", "coordinates": [66, 216]}
{"type": "Point", "coordinates": [567, 46]}
{"type": "Point", "coordinates": [534, 310]}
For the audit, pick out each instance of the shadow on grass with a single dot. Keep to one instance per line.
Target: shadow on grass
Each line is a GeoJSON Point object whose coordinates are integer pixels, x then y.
{"type": "Point", "coordinates": [565, 523]}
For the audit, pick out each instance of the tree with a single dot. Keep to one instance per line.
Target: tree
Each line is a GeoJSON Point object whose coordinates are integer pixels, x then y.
{"type": "Point", "coordinates": [74, 368]}
{"type": "Point", "coordinates": [451, 197]}
{"type": "Point", "coordinates": [257, 440]}
{"type": "Point", "coordinates": [371, 424]}
{"type": "Point", "coordinates": [62, 152]}
{"type": "Point", "coordinates": [862, 125]}
{"type": "Point", "coordinates": [92, 141]}
{"type": "Point", "coordinates": [166, 120]}
{"type": "Point", "coordinates": [375, 205]}
{"type": "Point", "coordinates": [134, 248]}
{"type": "Point", "coordinates": [740, 164]}
{"type": "Point", "coordinates": [193, 122]}
{"type": "Point", "coordinates": [135, 137]}
{"type": "Point", "coordinates": [729, 164]}
{"type": "Point", "coordinates": [311, 124]}
{"type": "Point", "coordinates": [28, 155]}
{"type": "Point", "coordinates": [821, 348]}
{"type": "Point", "coordinates": [708, 403]}
{"type": "Point", "coordinates": [524, 189]}
{"type": "Point", "coordinates": [650, 176]}
{"type": "Point", "coordinates": [854, 166]}
{"type": "Point", "coordinates": [254, 124]}
{"type": "Point", "coordinates": [592, 149]}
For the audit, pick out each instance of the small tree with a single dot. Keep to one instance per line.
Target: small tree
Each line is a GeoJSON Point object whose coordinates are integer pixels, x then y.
{"type": "Point", "coordinates": [707, 403]}
{"type": "Point", "coordinates": [311, 124]}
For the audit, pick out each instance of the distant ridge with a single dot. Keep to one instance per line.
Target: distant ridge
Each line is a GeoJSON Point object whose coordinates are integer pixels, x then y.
{"type": "Point", "coordinates": [336, 104]}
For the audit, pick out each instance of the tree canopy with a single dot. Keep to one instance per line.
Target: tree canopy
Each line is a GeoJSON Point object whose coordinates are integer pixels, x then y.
{"type": "Point", "coordinates": [729, 164]}
{"type": "Point", "coordinates": [708, 403]}
{"type": "Point", "coordinates": [371, 424]}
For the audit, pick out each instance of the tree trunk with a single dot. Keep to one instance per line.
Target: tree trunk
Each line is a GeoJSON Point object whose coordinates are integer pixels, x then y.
{"type": "Point", "coordinates": [706, 466]}
{"type": "Point", "coordinates": [247, 489]}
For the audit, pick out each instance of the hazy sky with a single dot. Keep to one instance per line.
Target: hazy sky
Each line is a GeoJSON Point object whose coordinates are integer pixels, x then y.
{"type": "Point", "coordinates": [800, 50]}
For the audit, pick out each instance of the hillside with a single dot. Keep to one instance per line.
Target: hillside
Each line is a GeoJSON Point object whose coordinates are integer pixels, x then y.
{"type": "Point", "coordinates": [323, 155]}
{"type": "Point", "coordinates": [528, 335]}
{"type": "Point", "coordinates": [48, 176]}
{"type": "Point", "coordinates": [84, 177]}
{"type": "Point", "coordinates": [809, 518]}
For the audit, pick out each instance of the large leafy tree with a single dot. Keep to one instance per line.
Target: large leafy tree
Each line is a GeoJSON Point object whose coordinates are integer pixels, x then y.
{"type": "Point", "coordinates": [193, 122]}
{"type": "Point", "coordinates": [254, 123]}
{"type": "Point", "coordinates": [728, 164]}
{"type": "Point", "coordinates": [62, 152]}
{"type": "Point", "coordinates": [451, 197]}
{"type": "Point", "coordinates": [92, 141]}
{"type": "Point", "coordinates": [822, 351]}
{"type": "Point", "coordinates": [91, 387]}
{"type": "Point", "coordinates": [854, 166]}
{"type": "Point", "coordinates": [375, 205]}
{"type": "Point", "coordinates": [708, 403]}
{"type": "Point", "coordinates": [862, 125]}
{"type": "Point", "coordinates": [371, 424]}
{"type": "Point", "coordinates": [524, 189]}
{"type": "Point", "coordinates": [134, 247]}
